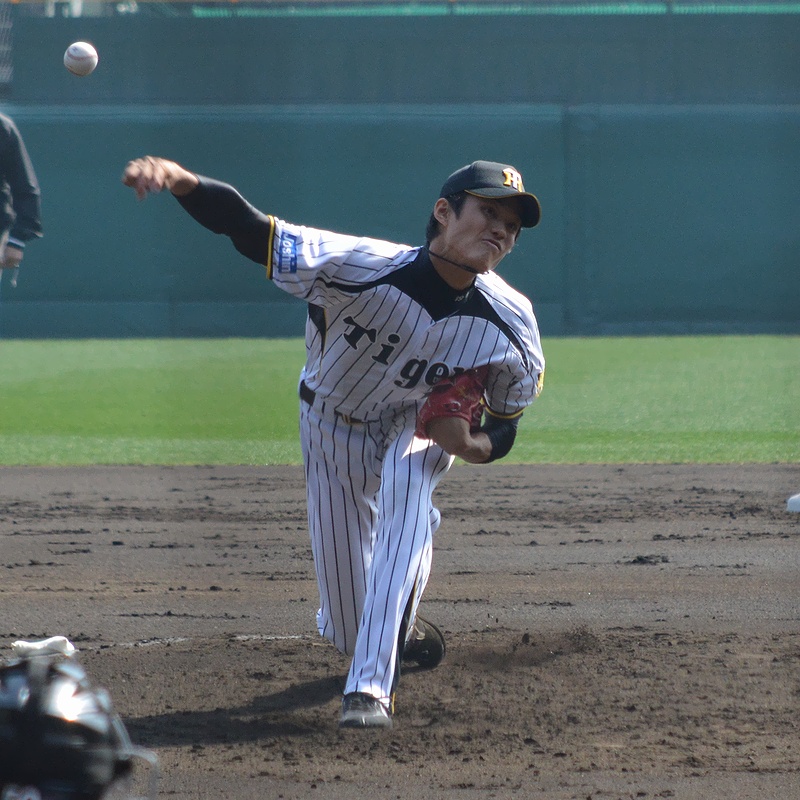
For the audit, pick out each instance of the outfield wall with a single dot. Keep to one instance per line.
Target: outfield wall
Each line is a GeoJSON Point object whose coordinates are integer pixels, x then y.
{"type": "Point", "coordinates": [665, 153]}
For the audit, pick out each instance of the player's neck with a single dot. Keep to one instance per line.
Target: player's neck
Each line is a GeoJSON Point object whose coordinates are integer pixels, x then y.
{"type": "Point", "coordinates": [457, 276]}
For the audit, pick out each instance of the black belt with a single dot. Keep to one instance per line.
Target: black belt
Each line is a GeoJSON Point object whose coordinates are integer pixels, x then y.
{"type": "Point", "coordinates": [309, 397]}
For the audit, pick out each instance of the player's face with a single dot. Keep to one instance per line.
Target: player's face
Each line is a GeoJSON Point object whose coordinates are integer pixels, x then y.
{"type": "Point", "coordinates": [482, 234]}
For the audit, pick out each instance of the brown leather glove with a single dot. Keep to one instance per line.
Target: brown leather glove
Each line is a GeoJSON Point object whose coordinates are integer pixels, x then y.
{"type": "Point", "coordinates": [458, 396]}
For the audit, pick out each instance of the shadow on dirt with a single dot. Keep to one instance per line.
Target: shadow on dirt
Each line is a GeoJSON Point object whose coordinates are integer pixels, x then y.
{"type": "Point", "coordinates": [265, 717]}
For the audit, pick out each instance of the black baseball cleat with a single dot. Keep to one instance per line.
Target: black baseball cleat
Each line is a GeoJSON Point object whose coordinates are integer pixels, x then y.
{"type": "Point", "coordinates": [360, 710]}
{"type": "Point", "coordinates": [426, 645]}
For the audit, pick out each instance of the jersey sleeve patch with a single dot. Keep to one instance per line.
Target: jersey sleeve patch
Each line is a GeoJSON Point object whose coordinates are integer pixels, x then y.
{"type": "Point", "coordinates": [287, 253]}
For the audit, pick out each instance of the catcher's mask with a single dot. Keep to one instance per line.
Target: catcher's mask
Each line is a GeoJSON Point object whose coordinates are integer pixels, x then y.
{"type": "Point", "coordinates": [60, 738]}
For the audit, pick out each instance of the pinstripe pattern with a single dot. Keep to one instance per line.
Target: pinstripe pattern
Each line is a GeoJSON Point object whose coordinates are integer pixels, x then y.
{"type": "Point", "coordinates": [343, 477]}
{"type": "Point", "coordinates": [382, 329]}
{"type": "Point", "coordinates": [372, 520]}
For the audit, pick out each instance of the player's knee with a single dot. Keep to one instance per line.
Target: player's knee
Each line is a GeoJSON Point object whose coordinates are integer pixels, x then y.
{"type": "Point", "coordinates": [342, 637]}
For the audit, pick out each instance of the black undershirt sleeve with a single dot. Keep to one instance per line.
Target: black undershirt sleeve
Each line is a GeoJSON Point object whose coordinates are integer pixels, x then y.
{"type": "Point", "coordinates": [501, 433]}
{"type": "Point", "coordinates": [220, 208]}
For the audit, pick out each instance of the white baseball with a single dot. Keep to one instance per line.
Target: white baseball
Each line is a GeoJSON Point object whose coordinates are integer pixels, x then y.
{"type": "Point", "coordinates": [81, 58]}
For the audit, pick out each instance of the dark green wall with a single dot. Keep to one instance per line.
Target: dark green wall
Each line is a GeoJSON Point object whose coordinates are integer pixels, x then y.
{"type": "Point", "coordinates": [501, 57]}
{"type": "Point", "coordinates": [685, 218]}
{"type": "Point", "coordinates": [356, 170]}
{"type": "Point", "coordinates": [665, 153]}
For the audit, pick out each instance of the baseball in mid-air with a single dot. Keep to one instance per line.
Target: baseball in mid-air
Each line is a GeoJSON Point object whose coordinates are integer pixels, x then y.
{"type": "Point", "coordinates": [81, 58]}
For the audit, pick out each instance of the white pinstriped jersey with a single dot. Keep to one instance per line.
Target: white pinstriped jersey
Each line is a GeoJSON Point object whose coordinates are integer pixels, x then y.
{"type": "Point", "coordinates": [383, 327]}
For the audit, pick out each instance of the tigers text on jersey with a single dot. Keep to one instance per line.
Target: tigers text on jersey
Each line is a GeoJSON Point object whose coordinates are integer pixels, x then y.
{"type": "Point", "coordinates": [383, 327]}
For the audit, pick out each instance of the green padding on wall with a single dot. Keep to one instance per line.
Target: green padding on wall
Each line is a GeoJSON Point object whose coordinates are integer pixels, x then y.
{"type": "Point", "coordinates": [369, 171]}
{"type": "Point", "coordinates": [678, 217]}
{"type": "Point", "coordinates": [685, 215]}
{"type": "Point", "coordinates": [102, 320]}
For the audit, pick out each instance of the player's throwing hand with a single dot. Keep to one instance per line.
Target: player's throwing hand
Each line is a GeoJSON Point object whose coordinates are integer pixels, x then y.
{"type": "Point", "coordinates": [152, 175]}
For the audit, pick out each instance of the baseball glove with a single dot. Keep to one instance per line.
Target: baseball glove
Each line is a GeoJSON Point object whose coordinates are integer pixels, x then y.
{"type": "Point", "coordinates": [458, 396]}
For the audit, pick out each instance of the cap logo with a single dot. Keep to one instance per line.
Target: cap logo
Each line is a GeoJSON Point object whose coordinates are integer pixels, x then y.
{"type": "Point", "coordinates": [513, 179]}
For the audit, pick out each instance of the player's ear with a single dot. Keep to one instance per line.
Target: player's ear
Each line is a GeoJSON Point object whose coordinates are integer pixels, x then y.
{"type": "Point", "coordinates": [441, 211]}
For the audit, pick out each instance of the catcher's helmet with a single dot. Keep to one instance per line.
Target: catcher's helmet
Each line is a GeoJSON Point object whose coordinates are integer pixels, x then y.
{"type": "Point", "coordinates": [59, 736]}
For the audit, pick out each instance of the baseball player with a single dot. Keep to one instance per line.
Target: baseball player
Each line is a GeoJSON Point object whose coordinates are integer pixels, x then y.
{"type": "Point", "coordinates": [60, 738]}
{"type": "Point", "coordinates": [387, 323]}
{"type": "Point", "coordinates": [20, 198]}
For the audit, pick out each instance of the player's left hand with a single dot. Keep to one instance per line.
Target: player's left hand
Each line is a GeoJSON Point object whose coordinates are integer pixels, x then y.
{"type": "Point", "coordinates": [459, 395]}
{"type": "Point", "coordinates": [454, 436]}
{"type": "Point", "coordinates": [451, 415]}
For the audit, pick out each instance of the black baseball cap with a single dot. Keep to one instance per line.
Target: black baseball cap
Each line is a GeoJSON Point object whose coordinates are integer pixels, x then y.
{"type": "Point", "coordinates": [491, 179]}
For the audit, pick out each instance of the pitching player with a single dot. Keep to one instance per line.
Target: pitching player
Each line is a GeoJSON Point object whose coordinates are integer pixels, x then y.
{"type": "Point", "coordinates": [386, 323]}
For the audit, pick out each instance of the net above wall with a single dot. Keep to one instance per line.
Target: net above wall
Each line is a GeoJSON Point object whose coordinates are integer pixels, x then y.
{"type": "Point", "coordinates": [403, 8]}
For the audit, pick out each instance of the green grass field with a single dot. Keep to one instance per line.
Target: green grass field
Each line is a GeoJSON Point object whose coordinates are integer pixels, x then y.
{"type": "Point", "coordinates": [711, 399]}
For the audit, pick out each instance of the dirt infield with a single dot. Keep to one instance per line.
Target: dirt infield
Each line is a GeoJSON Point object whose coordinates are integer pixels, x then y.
{"type": "Point", "coordinates": [612, 631]}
